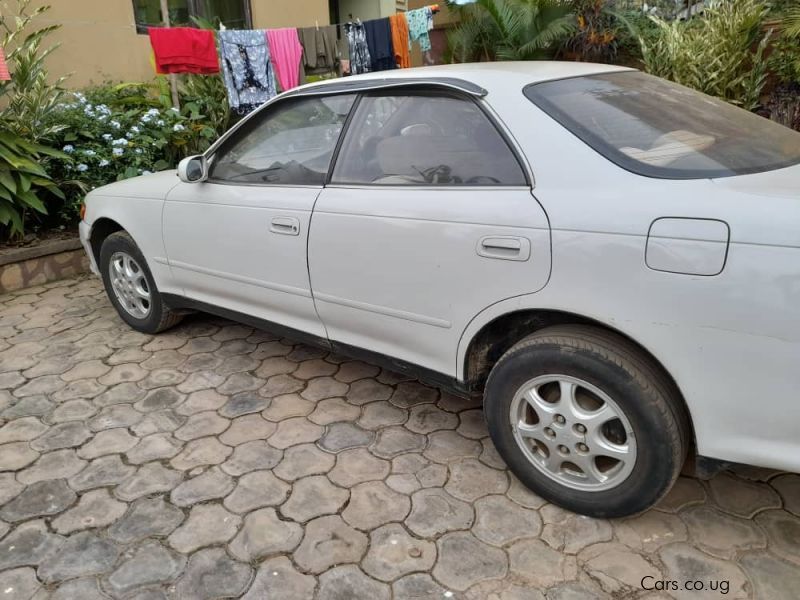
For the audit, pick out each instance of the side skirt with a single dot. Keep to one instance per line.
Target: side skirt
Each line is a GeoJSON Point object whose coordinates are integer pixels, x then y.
{"type": "Point", "coordinates": [434, 378]}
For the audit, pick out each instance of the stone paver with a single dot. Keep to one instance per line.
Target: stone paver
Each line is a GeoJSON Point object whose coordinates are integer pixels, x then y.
{"type": "Point", "coordinates": [215, 460]}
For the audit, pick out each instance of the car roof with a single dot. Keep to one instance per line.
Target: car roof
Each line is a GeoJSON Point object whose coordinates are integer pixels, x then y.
{"type": "Point", "coordinates": [474, 78]}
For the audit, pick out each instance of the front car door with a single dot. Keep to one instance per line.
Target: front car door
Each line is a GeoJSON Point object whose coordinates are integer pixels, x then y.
{"type": "Point", "coordinates": [428, 219]}
{"type": "Point", "coordinates": [238, 241]}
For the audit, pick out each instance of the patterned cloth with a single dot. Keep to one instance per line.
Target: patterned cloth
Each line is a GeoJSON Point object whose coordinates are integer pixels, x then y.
{"type": "Point", "coordinates": [246, 68]}
{"type": "Point", "coordinates": [360, 61]}
{"type": "Point", "coordinates": [420, 22]}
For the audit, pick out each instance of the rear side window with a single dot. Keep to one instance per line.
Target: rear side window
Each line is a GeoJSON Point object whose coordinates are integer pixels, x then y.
{"type": "Point", "coordinates": [660, 129]}
{"type": "Point", "coordinates": [424, 139]}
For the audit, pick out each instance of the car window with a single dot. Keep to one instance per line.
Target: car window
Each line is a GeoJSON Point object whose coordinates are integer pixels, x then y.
{"type": "Point", "coordinates": [290, 144]}
{"type": "Point", "coordinates": [660, 129]}
{"type": "Point", "coordinates": [423, 139]}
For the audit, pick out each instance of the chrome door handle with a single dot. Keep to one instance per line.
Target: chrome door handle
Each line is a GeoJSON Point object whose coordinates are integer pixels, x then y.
{"type": "Point", "coordinates": [504, 247]}
{"type": "Point", "coordinates": [285, 226]}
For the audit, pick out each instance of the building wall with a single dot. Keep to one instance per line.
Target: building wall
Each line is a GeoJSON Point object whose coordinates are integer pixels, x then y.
{"type": "Point", "coordinates": [99, 41]}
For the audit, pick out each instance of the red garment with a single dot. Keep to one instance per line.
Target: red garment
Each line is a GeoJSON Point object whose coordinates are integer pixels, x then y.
{"type": "Point", "coordinates": [4, 74]}
{"type": "Point", "coordinates": [184, 50]}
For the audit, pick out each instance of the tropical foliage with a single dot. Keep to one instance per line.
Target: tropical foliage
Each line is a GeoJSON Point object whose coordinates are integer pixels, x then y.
{"type": "Point", "coordinates": [510, 29]}
{"type": "Point", "coordinates": [720, 53]}
{"type": "Point", "coordinates": [30, 96]}
{"type": "Point", "coordinates": [25, 183]}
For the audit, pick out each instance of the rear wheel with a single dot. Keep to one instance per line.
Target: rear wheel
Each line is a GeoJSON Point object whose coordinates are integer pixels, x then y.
{"type": "Point", "coordinates": [130, 285]}
{"type": "Point", "coordinates": [586, 421]}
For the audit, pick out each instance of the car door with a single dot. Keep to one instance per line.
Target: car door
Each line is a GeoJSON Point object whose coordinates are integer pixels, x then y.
{"type": "Point", "coordinates": [239, 240]}
{"type": "Point", "coordinates": [428, 219]}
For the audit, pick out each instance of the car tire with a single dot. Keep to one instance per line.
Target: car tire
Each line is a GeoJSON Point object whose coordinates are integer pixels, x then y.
{"type": "Point", "coordinates": [128, 280]}
{"type": "Point", "coordinates": [618, 443]}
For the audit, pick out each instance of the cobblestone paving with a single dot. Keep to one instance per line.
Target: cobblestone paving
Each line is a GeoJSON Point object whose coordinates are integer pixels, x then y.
{"type": "Point", "coordinates": [219, 461]}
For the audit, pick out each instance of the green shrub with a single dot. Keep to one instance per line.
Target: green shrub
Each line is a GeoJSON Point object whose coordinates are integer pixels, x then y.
{"type": "Point", "coordinates": [23, 182]}
{"type": "Point", "coordinates": [103, 143]}
{"type": "Point", "coordinates": [720, 53]}
{"type": "Point", "coordinates": [510, 29]}
{"type": "Point", "coordinates": [30, 95]}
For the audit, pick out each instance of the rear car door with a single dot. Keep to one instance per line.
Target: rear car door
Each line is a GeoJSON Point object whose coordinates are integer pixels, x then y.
{"type": "Point", "coordinates": [428, 219]}
{"type": "Point", "coordinates": [238, 241]}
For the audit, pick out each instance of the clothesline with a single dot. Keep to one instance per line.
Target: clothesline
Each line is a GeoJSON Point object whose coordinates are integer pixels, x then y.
{"type": "Point", "coordinates": [252, 59]}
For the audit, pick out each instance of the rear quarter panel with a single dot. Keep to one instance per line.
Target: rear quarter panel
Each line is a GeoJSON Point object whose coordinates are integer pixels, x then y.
{"type": "Point", "coordinates": [731, 341]}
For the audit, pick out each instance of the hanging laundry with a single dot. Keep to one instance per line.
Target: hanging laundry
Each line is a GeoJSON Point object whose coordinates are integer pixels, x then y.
{"type": "Point", "coordinates": [285, 52]}
{"type": "Point", "coordinates": [4, 74]}
{"type": "Point", "coordinates": [246, 68]}
{"type": "Point", "coordinates": [379, 42]}
{"type": "Point", "coordinates": [320, 52]}
{"type": "Point", "coordinates": [184, 50]}
{"type": "Point", "coordinates": [420, 22]}
{"type": "Point", "coordinates": [400, 40]}
{"type": "Point", "coordinates": [360, 61]}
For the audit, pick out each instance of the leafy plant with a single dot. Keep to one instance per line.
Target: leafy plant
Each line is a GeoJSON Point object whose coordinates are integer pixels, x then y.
{"type": "Point", "coordinates": [720, 53]}
{"type": "Point", "coordinates": [31, 95]}
{"type": "Point", "coordinates": [23, 180]}
{"type": "Point", "coordinates": [596, 38]}
{"type": "Point", "coordinates": [509, 29]}
{"type": "Point", "coordinates": [102, 143]}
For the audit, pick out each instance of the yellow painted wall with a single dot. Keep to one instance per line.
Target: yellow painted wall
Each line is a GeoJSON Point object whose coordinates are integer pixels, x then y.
{"type": "Point", "coordinates": [99, 40]}
{"type": "Point", "coordinates": [289, 13]}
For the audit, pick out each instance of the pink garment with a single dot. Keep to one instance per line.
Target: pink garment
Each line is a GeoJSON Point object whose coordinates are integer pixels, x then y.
{"type": "Point", "coordinates": [285, 52]}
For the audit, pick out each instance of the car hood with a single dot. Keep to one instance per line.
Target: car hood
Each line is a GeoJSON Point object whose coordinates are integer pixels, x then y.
{"type": "Point", "coordinates": [155, 185]}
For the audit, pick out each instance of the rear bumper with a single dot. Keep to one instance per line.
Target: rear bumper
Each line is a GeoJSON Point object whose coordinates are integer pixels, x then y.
{"type": "Point", "coordinates": [84, 230]}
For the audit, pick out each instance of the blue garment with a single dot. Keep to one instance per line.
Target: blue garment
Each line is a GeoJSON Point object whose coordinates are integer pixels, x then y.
{"type": "Point", "coordinates": [246, 68]}
{"type": "Point", "coordinates": [379, 42]}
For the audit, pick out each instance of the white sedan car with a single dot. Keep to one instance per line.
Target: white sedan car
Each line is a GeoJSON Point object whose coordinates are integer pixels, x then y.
{"type": "Point", "coordinates": [611, 260]}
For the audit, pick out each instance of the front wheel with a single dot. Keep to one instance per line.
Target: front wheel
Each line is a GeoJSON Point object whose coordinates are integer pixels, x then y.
{"type": "Point", "coordinates": [586, 421]}
{"type": "Point", "coordinates": [130, 285]}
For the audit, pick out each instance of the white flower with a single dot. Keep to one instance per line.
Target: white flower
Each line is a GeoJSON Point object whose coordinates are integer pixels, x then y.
{"type": "Point", "coordinates": [115, 124]}
{"type": "Point", "coordinates": [120, 142]}
{"type": "Point", "coordinates": [69, 148]}
{"type": "Point", "coordinates": [178, 127]}
{"type": "Point", "coordinates": [160, 122]}
{"type": "Point", "coordinates": [82, 167]}
{"type": "Point", "coordinates": [135, 129]}
{"type": "Point", "coordinates": [89, 152]}
{"type": "Point", "coordinates": [104, 163]}
{"type": "Point", "coordinates": [118, 151]}
{"type": "Point", "coordinates": [129, 135]}
{"type": "Point", "coordinates": [138, 151]}
{"type": "Point", "coordinates": [107, 136]}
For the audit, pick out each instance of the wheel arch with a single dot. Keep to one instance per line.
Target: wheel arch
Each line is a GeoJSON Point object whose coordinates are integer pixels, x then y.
{"type": "Point", "coordinates": [101, 229]}
{"type": "Point", "coordinates": [498, 335]}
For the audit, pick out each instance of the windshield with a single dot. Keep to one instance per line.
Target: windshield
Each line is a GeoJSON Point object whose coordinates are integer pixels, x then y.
{"type": "Point", "coordinates": [660, 129]}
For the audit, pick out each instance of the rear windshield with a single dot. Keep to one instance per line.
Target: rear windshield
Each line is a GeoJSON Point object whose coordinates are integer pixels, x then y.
{"type": "Point", "coordinates": [660, 129]}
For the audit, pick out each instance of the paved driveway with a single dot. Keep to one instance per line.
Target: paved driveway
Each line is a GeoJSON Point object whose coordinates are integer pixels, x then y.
{"type": "Point", "coordinates": [219, 461]}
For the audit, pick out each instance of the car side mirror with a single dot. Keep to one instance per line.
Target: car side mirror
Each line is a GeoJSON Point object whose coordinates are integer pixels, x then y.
{"type": "Point", "coordinates": [193, 169]}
